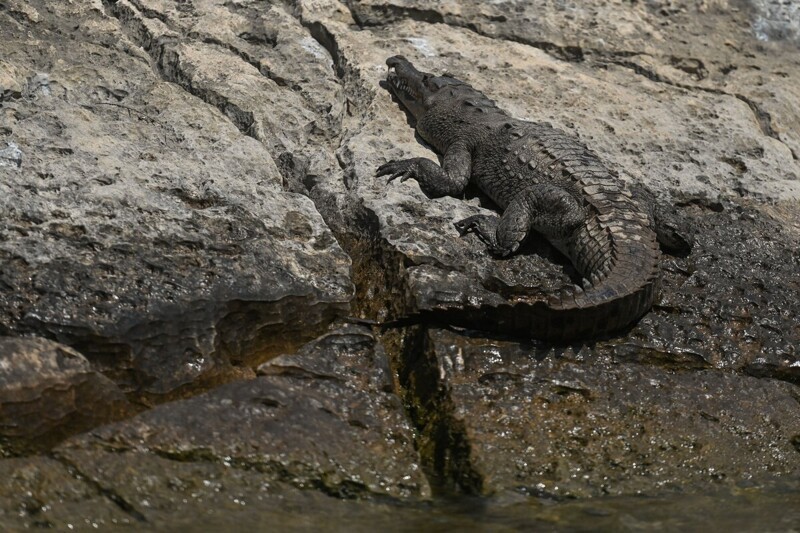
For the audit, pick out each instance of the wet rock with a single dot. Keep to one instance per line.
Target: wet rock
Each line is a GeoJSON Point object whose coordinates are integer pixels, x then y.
{"type": "Point", "coordinates": [325, 419]}
{"type": "Point", "coordinates": [153, 491]}
{"type": "Point", "coordinates": [42, 492]}
{"type": "Point", "coordinates": [566, 425]}
{"type": "Point", "coordinates": [732, 303]}
{"type": "Point", "coordinates": [49, 391]}
{"type": "Point", "coordinates": [140, 225]}
{"type": "Point", "coordinates": [147, 491]}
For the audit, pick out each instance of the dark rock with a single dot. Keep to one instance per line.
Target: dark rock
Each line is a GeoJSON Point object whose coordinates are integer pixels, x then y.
{"type": "Point", "coordinates": [49, 391]}
{"type": "Point", "coordinates": [323, 419]}
{"type": "Point", "coordinates": [566, 425]}
{"type": "Point", "coordinates": [732, 303]}
{"type": "Point", "coordinates": [40, 492]}
{"type": "Point", "coordinates": [167, 495]}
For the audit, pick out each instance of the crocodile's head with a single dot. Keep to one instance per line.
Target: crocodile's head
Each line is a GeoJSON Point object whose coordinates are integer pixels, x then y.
{"type": "Point", "coordinates": [416, 90]}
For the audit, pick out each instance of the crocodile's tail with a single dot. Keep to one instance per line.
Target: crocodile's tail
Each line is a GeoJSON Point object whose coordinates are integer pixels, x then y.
{"type": "Point", "coordinates": [619, 259]}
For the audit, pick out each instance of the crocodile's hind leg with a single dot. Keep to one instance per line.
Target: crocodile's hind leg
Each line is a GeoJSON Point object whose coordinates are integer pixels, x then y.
{"type": "Point", "coordinates": [672, 230]}
{"type": "Point", "coordinates": [550, 210]}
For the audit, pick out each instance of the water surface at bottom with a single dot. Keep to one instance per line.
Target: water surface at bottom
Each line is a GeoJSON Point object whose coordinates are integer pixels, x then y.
{"type": "Point", "coordinates": [777, 510]}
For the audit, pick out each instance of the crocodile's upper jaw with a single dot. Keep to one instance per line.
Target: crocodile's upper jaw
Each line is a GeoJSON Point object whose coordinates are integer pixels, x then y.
{"type": "Point", "coordinates": [408, 84]}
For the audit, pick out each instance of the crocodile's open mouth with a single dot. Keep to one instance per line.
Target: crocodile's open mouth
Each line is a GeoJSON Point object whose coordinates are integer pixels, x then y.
{"type": "Point", "coordinates": [408, 84]}
{"type": "Point", "coordinates": [400, 83]}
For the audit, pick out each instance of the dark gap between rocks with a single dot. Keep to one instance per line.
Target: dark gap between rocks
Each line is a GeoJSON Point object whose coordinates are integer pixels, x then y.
{"type": "Point", "coordinates": [379, 276]}
{"type": "Point", "coordinates": [442, 440]}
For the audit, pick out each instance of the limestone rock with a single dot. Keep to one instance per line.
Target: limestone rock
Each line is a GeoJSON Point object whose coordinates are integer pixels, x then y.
{"type": "Point", "coordinates": [727, 50]}
{"type": "Point", "coordinates": [140, 226]}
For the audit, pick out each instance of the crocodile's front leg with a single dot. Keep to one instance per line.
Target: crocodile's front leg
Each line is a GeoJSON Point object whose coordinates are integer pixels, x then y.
{"type": "Point", "coordinates": [548, 209]}
{"type": "Point", "coordinates": [448, 180]}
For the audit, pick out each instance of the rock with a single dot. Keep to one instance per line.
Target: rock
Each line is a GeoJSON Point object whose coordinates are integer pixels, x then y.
{"type": "Point", "coordinates": [325, 419]}
{"type": "Point", "coordinates": [732, 303]}
{"type": "Point", "coordinates": [175, 176]}
{"type": "Point", "coordinates": [148, 491]}
{"type": "Point", "coordinates": [525, 420]}
{"type": "Point", "coordinates": [41, 492]}
{"type": "Point", "coordinates": [11, 156]}
{"type": "Point", "coordinates": [49, 391]}
{"type": "Point", "coordinates": [141, 227]}
{"type": "Point", "coordinates": [259, 66]}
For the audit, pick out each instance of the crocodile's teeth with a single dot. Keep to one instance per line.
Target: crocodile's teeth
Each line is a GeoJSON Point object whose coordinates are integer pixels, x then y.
{"type": "Point", "coordinates": [595, 278]}
{"type": "Point", "coordinates": [587, 283]}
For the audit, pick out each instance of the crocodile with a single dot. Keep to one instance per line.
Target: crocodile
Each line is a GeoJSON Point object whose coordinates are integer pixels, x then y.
{"type": "Point", "coordinates": [546, 182]}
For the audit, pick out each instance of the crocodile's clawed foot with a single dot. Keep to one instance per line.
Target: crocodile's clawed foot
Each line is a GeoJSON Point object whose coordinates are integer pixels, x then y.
{"type": "Point", "coordinates": [485, 227]}
{"type": "Point", "coordinates": [403, 169]}
{"type": "Point", "coordinates": [467, 225]}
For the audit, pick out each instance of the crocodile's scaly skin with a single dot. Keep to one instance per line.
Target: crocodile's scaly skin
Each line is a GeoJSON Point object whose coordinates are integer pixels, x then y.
{"type": "Point", "coordinates": [544, 180]}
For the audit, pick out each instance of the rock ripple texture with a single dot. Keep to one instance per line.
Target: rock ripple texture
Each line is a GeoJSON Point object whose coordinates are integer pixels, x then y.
{"type": "Point", "coordinates": [48, 391]}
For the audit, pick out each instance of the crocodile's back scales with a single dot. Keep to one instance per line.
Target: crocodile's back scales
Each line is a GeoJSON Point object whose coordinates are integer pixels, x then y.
{"type": "Point", "coordinates": [614, 249]}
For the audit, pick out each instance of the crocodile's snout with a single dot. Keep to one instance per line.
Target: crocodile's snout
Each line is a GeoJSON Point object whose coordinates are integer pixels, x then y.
{"type": "Point", "coordinates": [397, 60]}
{"type": "Point", "coordinates": [407, 83]}
{"type": "Point", "coordinates": [402, 74]}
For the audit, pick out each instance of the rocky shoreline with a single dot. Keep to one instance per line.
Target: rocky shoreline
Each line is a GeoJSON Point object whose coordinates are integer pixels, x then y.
{"type": "Point", "coordinates": [192, 240]}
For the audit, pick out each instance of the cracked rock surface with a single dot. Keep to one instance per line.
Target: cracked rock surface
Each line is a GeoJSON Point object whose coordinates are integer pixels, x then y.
{"type": "Point", "coordinates": [298, 423]}
{"type": "Point", "coordinates": [188, 202]}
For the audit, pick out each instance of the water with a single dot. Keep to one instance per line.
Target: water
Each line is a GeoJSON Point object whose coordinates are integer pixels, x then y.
{"type": "Point", "coordinates": [775, 510]}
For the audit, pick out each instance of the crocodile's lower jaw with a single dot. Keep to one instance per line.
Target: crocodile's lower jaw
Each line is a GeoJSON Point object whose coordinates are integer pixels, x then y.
{"type": "Point", "coordinates": [401, 87]}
